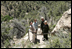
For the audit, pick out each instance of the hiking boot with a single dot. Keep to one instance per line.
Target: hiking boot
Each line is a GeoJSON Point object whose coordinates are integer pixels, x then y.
{"type": "Point", "coordinates": [35, 42]}
{"type": "Point", "coordinates": [43, 39]}
{"type": "Point", "coordinates": [47, 39]}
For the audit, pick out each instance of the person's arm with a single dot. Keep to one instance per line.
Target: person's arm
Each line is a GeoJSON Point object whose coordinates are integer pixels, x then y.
{"type": "Point", "coordinates": [48, 27]}
{"type": "Point", "coordinates": [34, 27]}
{"type": "Point", "coordinates": [37, 25]}
{"type": "Point", "coordinates": [41, 25]}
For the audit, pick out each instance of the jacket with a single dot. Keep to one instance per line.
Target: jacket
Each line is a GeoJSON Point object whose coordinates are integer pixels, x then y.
{"type": "Point", "coordinates": [45, 28]}
{"type": "Point", "coordinates": [42, 24]}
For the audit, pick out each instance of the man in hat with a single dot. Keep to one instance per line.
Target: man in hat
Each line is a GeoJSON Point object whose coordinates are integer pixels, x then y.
{"type": "Point", "coordinates": [42, 23]}
{"type": "Point", "coordinates": [45, 30]}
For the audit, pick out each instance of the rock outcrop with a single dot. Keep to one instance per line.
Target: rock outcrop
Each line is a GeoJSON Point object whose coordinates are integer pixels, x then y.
{"type": "Point", "coordinates": [13, 28]}
{"type": "Point", "coordinates": [3, 10]}
{"type": "Point", "coordinates": [64, 22]}
{"type": "Point", "coordinates": [18, 27]}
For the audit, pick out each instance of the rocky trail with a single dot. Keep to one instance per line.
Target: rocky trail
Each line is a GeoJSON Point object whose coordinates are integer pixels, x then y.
{"type": "Point", "coordinates": [20, 42]}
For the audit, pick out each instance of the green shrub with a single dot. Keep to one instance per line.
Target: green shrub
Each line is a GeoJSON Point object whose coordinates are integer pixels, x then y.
{"type": "Point", "coordinates": [6, 43]}
{"type": "Point", "coordinates": [54, 26]}
{"type": "Point", "coordinates": [6, 18]}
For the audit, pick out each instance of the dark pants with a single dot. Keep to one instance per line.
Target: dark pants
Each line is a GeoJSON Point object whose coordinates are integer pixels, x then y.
{"type": "Point", "coordinates": [36, 36]}
{"type": "Point", "coordinates": [45, 36]}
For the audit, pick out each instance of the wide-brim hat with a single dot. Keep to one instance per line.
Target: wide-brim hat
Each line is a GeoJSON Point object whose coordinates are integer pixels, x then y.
{"type": "Point", "coordinates": [45, 21]}
{"type": "Point", "coordinates": [42, 17]}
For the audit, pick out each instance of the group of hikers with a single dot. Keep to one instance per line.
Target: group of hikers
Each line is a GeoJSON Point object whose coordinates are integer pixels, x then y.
{"type": "Point", "coordinates": [34, 27]}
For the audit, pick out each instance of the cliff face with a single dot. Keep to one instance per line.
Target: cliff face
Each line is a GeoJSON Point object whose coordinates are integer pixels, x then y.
{"type": "Point", "coordinates": [64, 22]}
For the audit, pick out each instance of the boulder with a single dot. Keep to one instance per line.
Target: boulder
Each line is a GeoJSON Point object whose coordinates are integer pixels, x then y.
{"type": "Point", "coordinates": [64, 22]}
{"type": "Point", "coordinates": [18, 28]}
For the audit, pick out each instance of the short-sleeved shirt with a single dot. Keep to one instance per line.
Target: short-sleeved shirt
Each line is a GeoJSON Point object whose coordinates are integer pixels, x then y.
{"type": "Point", "coordinates": [35, 25]}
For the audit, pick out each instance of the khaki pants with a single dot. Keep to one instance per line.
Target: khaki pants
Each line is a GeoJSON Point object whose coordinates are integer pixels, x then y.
{"type": "Point", "coordinates": [33, 37]}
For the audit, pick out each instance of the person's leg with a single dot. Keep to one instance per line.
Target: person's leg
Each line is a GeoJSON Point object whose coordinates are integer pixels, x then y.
{"type": "Point", "coordinates": [46, 36]}
{"type": "Point", "coordinates": [33, 38]}
{"type": "Point", "coordinates": [43, 37]}
{"type": "Point", "coordinates": [36, 35]}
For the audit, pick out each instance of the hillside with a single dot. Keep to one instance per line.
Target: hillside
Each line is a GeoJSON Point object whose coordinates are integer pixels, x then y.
{"type": "Point", "coordinates": [16, 15]}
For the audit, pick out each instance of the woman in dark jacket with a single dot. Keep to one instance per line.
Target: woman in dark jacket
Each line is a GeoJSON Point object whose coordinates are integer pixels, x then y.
{"type": "Point", "coordinates": [45, 30]}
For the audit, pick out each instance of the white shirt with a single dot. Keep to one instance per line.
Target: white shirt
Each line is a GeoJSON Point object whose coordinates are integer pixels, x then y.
{"type": "Point", "coordinates": [33, 28]}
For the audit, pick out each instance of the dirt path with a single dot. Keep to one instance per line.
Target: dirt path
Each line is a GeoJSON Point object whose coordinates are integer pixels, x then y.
{"type": "Point", "coordinates": [18, 42]}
